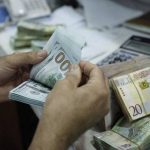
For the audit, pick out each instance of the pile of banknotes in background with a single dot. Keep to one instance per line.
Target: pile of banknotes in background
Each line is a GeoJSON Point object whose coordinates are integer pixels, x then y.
{"type": "Point", "coordinates": [31, 34]}
{"type": "Point", "coordinates": [132, 132]}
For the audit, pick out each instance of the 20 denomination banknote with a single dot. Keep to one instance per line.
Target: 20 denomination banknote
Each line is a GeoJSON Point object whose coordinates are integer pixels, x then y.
{"type": "Point", "coordinates": [133, 91]}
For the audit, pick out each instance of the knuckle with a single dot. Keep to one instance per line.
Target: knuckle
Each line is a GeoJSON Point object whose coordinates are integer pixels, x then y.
{"type": "Point", "coordinates": [71, 79]}
{"type": "Point", "coordinates": [29, 56]}
{"type": "Point", "coordinates": [59, 83]}
{"type": "Point", "coordinates": [8, 59]}
{"type": "Point", "coordinates": [26, 57]}
{"type": "Point", "coordinates": [66, 81]}
{"type": "Point", "coordinates": [62, 84]}
{"type": "Point", "coordinates": [103, 97]}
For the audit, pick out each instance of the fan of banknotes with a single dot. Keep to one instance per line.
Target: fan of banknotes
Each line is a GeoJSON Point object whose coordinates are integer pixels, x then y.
{"type": "Point", "coordinates": [64, 48]}
{"type": "Point", "coordinates": [29, 33]}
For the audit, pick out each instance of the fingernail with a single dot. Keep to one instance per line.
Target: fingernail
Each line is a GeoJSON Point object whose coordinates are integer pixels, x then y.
{"type": "Point", "coordinates": [42, 53]}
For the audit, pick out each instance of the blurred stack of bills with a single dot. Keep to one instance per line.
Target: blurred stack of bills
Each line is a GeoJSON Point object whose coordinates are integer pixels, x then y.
{"type": "Point", "coordinates": [29, 31]}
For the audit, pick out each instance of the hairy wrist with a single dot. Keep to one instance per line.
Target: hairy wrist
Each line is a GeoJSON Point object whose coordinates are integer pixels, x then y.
{"type": "Point", "coordinates": [49, 136]}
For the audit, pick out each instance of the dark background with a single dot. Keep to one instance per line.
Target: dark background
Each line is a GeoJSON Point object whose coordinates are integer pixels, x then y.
{"type": "Point", "coordinates": [17, 126]}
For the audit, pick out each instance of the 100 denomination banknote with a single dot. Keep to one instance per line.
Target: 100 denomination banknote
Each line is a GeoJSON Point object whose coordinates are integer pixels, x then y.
{"type": "Point", "coordinates": [63, 48]}
{"type": "Point", "coordinates": [30, 92]}
{"type": "Point", "coordinates": [133, 91]}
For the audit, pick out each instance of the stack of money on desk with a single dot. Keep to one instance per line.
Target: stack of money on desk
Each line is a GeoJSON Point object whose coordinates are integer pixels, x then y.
{"type": "Point", "coordinates": [30, 31]}
{"type": "Point", "coordinates": [133, 92]}
{"type": "Point", "coordinates": [132, 132]}
{"type": "Point", "coordinates": [125, 136]}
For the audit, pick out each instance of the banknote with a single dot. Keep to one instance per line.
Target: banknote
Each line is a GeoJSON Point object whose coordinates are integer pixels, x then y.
{"type": "Point", "coordinates": [25, 41]}
{"type": "Point", "coordinates": [28, 30]}
{"type": "Point", "coordinates": [63, 49]}
{"type": "Point", "coordinates": [133, 92]}
{"type": "Point", "coordinates": [35, 28]}
{"type": "Point", "coordinates": [15, 43]}
{"type": "Point", "coordinates": [110, 140]}
{"type": "Point", "coordinates": [30, 92]}
{"type": "Point", "coordinates": [38, 45]}
{"type": "Point", "coordinates": [137, 132]}
{"type": "Point", "coordinates": [125, 136]}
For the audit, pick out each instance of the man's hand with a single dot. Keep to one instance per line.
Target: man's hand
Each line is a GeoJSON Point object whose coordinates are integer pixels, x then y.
{"type": "Point", "coordinates": [15, 69]}
{"type": "Point", "coordinates": [71, 109]}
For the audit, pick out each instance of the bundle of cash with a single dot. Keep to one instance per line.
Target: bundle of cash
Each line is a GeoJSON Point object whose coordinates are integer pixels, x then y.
{"type": "Point", "coordinates": [64, 48]}
{"type": "Point", "coordinates": [35, 28]}
{"type": "Point", "coordinates": [133, 92]}
{"type": "Point", "coordinates": [30, 92]}
{"type": "Point", "coordinates": [27, 31]}
{"type": "Point", "coordinates": [24, 41]}
{"type": "Point", "coordinates": [17, 42]}
{"type": "Point", "coordinates": [125, 136]}
{"type": "Point", "coordinates": [38, 45]}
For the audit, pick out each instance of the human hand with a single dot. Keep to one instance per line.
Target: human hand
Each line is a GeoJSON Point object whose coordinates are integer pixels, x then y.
{"type": "Point", "coordinates": [71, 109]}
{"type": "Point", "coordinates": [15, 69]}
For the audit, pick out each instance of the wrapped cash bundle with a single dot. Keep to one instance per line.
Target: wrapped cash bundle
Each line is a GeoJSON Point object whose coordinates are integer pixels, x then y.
{"type": "Point", "coordinates": [64, 48]}
{"type": "Point", "coordinates": [125, 136]}
{"type": "Point", "coordinates": [133, 92]}
{"type": "Point", "coordinates": [28, 31]}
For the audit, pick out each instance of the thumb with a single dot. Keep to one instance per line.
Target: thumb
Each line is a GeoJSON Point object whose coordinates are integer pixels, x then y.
{"type": "Point", "coordinates": [73, 77]}
{"type": "Point", "coordinates": [20, 59]}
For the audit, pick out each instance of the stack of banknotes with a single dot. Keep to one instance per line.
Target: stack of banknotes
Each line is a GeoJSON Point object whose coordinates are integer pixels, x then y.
{"type": "Point", "coordinates": [125, 136]}
{"type": "Point", "coordinates": [37, 45]}
{"type": "Point", "coordinates": [64, 48]}
{"type": "Point", "coordinates": [28, 31]}
{"type": "Point", "coordinates": [133, 92]}
{"type": "Point", "coordinates": [133, 131]}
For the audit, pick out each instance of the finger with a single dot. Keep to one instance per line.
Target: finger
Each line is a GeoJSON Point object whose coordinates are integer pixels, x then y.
{"type": "Point", "coordinates": [21, 59]}
{"type": "Point", "coordinates": [94, 74]}
{"type": "Point", "coordinates": [5, 91]}
{"type": "Point", "coordinates": [73, 77]}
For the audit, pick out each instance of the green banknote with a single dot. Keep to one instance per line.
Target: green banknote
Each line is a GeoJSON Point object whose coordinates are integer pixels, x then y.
{"type": "Point", "coordinates": [38, 45]}
{"type": "Point", "coordinates": [35, 28]}
{"type": "Point", "coordinates": [24, 41]}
